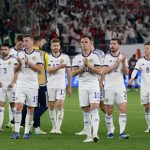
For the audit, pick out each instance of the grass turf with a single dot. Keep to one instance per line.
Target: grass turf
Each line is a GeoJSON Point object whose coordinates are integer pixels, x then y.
{"type": "Point", "coordinates": [73, 122]}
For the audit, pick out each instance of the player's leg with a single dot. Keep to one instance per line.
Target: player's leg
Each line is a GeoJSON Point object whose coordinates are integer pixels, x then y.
{"type": "Point", "coordinates": [19, 102]}
{"type": "Point", "coordinates": [31, 102]}
{"type": "Point", "coordinates": [101, 104]}
{"type": "Point", "coordinates": [121, 100]}
{"type": "Point", "coordinates": [51, 107]}
{"type": "Point", "coordinates": [109, 102]}
{"type": "Point", "coordinates": [94, 97]}
{"type": "Point", "coordinates": [60, 96]}
{"type": "Point", "coordinates": [2, 108]}
{"type": "Point", "coordinates": [85, 105]}
{"type": "Point", "coordinates": [145, 101]}
{"type": "Point", "coordinates": [40, 109]}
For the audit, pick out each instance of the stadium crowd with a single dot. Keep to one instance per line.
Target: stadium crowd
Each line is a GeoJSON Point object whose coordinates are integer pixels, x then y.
{"type": "Point", "coordinates": [126, 19]}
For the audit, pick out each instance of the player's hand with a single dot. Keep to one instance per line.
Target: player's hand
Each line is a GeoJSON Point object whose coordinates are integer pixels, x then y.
{"type": "Point", "coordinates": [118, 61]}
{"type": "Point", "coordinates": [19, 60]}
{"type": "Point", "coordinates": [86, 63]}
{"type": "Point", "coordinates": [130, 81]}
{"type": "Point", "coordinates": [63, 66]}
{"type": "Point", "coordinates": [69, 90]}
{"type": "Point", "coordinates": [26, 59]}
{"type": "Point", "coordinates": [11, 85]}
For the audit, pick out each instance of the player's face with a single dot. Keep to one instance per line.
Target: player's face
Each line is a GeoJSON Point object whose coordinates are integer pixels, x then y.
{"type": "Point", "coordinates": [55, 47]}
{"type": "Point", "coordinates": [5, 51]}
{"type": "Point", "coordinates": [19, 45]}
{"type": "Point", "coordinates": [86, 44]}
{"type": "Point", "coordinates": [147, 50]}
{"type": "Point", "coordinates": [114, 46]}
{"type": "Point", "coordinates": [27, 42]}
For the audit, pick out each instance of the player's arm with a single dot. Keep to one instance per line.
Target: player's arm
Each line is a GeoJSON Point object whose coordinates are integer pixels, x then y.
{"type": "Point", "coordinates": [125, 68]}
{"type": "Point", "coordinates": [135, 71]}
{"type": "Point", "coordinates": [76, 70]}
{"type": "Point", "coordinates": [14, 80]}
{"type": "Point", "coordinates": [109, 69]}
{"type": "Point", "coordinates": [55, 69]}
{"type": "Point", "coordinates": [69, 77]}
{"type": "Point", "coordinates": [102, 78]}
{"type": "Point", "coordinates": [18, 66]}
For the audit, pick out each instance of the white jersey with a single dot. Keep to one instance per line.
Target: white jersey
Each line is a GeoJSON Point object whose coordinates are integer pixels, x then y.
{"type": "Point", "coordinates": [7, 71]}
{"type": "Point", "coordinates": [13, 52]}
{"type": "Point", "coordinates": [57, 79]}
{"type": "Point", "coordinates": [144, 66]}
{"type": "Point", "coordinates": [87, 80]}
{"type": "Point", "coordinates": [27, 77]}
{"type": "Point", "coordinates": [114, 80]}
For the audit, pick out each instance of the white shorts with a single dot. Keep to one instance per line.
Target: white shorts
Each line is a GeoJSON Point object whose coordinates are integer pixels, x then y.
{"type": "Point", "coordinates": [7, 94]}
{"type": "Point", "coordinates": [28, 96]}
{"type": "Point", "coordinates": [145, 96]}
{"type": "Point", "coordinates": [88, 96]}
{"type": "Point", "coordinates": [56, 94]}
{"type": "Point", "coordinates": [115, 96]}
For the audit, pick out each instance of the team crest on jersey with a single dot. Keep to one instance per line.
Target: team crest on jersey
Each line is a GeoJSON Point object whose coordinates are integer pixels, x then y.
{"type": "Point", "coordinates": [90, 60]}
{"type": "Point", "coordinates": [34, 58]}
{"type": "Point", "coordinates": [9, 63]}
{"type": "Point", "coordinates": [62, 61]}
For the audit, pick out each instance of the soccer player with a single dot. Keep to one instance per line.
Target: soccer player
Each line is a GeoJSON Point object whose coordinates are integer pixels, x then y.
{"type": "Point", "coordinates": [101, 56]}
{"type": "Point", "coordinates": [132, 63]}
{"type": "Point", "coordinates": [7, 67]}
{"type": "Point", "coordinates": [58, 63]}
{"type": "Point", "coordinates": [18, 46]}
{"type": "Point", "coordinates": [42, 93]}
{"type": "Point", "coordinates": [115, 66]}
{"type": "Point", "coordinates": [87, 66]}
{"type": "Point", "coordinates": [29, 66]}
{"type": "Point", "coordinates": [143, 65]}
{"type": "Point", "coordinates": [14, 52]}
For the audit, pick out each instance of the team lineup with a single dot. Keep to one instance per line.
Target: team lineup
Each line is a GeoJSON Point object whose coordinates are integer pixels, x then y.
{"type": "Point", "coordinates": [34, 81]}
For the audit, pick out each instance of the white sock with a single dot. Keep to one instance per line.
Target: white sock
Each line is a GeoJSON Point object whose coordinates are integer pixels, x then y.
{"type": "Point", "coordinates": [28, 121]}
{"type": "Point", "coordinates": [147, 117]}
{"type": "Point", "coordinates": [52, 114]}
{"type": "Point", "coordinates": [122, 122]}
{"type": "Point", "coordinates": [95, 121]}
{"type": "Point", "coordinates": [87, 123]}
{"type": "Point", "coordinates": [1, 116]}
{"type": "Point", "coordinates": [11, 114]}
{"type": "Point", "coordinates": [60, 116]}
{"type": "Point", "coordinates": [18, 117]}
{"type": "Point", "coordinates": [109, 123]}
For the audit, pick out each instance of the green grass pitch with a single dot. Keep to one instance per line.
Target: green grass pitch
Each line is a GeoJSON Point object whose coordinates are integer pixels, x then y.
{"type": "Point", "coordinates": [73, 122]}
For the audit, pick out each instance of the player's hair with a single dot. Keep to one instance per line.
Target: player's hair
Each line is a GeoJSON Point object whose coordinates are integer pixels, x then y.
{"type": "Point", "coordinates": [37, 38]}
{"type": "Point", "coordinates": [55, 40]}
{"type": "Point", "coordinates": [116, 39]}
{"type": "Point", "coordinates": [147, 43]}
{"type": "Point", "coordinates": [19, 38]}
{"type": "Point", "coordinates": [5, 45]}
{"type": "Point", "coordinates": [87, 36]}
{"type": "Point", "coordinates": [27, 35]}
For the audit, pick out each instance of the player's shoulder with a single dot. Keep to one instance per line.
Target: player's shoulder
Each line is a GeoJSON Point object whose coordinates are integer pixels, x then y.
{"type": "Point", "coordinates": [98, 52]}
{"type": "Point", "coordinates": [78, 56]}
